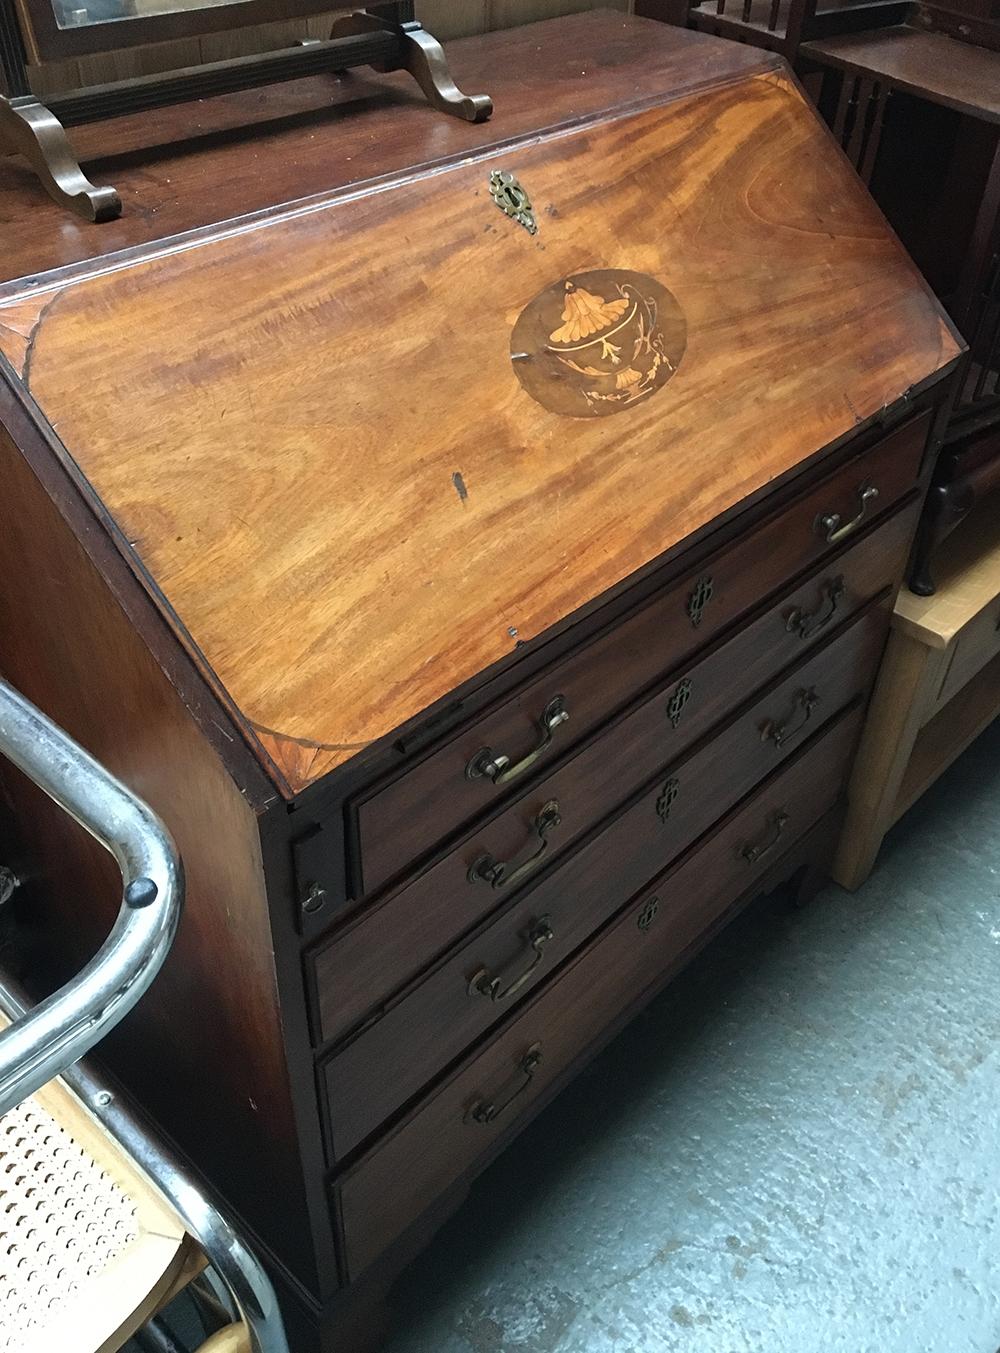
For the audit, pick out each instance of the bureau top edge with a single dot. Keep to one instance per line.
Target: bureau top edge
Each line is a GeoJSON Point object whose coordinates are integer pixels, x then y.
{"type": "Point", "coordinates": [296, 146]}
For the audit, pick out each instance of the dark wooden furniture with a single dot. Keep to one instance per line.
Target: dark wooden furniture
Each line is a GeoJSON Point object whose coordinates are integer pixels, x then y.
{"type": "Point", "coordinates": [385, 35]}
{"type": "Point", "coordinates": [777, 25]}
{"type": "Point", "coordinates": [918, 112]}
{"type": "Point", "coordinates": [489, 613]}
{"type": "Point", "coordinates": [967, 474]}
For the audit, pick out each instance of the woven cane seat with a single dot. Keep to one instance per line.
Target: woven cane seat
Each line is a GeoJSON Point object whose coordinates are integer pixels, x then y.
{"type": "Point", "coordinates": [88, 1250]}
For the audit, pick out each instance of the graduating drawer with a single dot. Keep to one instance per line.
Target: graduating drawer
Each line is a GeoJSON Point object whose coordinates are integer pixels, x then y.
{"type": "Point", "coordinates": [437, 1019]}
{"type": "Point", "coordinates": [402, 818]}
{"type": "Point", "coordinates": [373, 955]}
{"type": "Point", "coordinates": [499, 1087]}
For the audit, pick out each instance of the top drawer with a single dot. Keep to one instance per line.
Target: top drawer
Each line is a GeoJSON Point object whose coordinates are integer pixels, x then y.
{"type": "Point", "coordinates": [404, 817]}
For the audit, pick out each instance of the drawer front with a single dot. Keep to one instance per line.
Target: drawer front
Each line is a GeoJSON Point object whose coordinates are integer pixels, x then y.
{"type": "Point", "coordinates": [974, 646]}
{"type": "Point", "coordinates": [374, 955]}
{"type": "Point", "coordinates": [390, 1187]}
{"type": "Point", "coordinates": [429, 1027]}
{"type": "Point", "coordinates": [462, 778]}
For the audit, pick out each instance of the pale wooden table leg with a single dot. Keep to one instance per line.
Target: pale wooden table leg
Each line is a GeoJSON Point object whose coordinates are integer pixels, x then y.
{"type": "Point", "coordinates": [909, 679]}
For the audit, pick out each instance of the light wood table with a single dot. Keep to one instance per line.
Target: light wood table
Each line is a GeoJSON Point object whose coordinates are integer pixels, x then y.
{"type": "Point", "coordinates": [938, 688]}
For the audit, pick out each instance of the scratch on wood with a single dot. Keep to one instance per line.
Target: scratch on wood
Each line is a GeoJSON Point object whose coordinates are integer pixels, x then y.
{"type": "Point", "coordinates": [29, 351]}
{"type": "Point", "coordinates": [308, 743]}
{"type": "Point", "coordinates": [460, 489]}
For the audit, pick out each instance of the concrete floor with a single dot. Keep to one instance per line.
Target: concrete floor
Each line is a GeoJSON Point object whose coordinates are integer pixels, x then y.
{"type": "Point", "coordinates": [796, 1149]}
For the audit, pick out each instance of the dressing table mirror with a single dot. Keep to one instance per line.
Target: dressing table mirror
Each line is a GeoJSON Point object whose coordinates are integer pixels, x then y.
{"type": "Point", "coordinates": [34, 32]}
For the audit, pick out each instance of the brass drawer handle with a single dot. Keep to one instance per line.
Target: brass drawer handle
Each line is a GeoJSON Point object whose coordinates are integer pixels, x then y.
{"type": "Point", "coordinates": [829, 525]}
{"type": "Point", "coordinates": [488, 869]}
{"type": "Point", "coordinates": [489, 1110]}
{"type": "Point", "coordinates": [805, 702]}
{"type": "Point", "coordinates": [807, 623]}
{"type": "Point", "coordinates": [483, 983]}
{"type": "Point", "coordinates": [756, 850]}
{"type": "Point", "coordinates": [496, 767]}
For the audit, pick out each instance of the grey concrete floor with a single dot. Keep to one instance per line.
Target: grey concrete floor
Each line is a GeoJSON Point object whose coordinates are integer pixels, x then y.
{"type": "Point", "coordinates": [793, 1150]}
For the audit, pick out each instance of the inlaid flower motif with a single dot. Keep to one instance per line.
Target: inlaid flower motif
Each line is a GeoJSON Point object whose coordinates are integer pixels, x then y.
{"type": "Point", "coordinates": [585, 314]}
{"type": "Point", "coordinates": [621, 337]}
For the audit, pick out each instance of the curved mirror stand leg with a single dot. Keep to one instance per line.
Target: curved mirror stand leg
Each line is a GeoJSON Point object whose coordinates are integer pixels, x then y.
{"type": "Point", "coordinates": [423, 56]}
{"type": "Point", "coordinates": [427, 63]}
{"type": "Point", "coordinates": [28, 128]}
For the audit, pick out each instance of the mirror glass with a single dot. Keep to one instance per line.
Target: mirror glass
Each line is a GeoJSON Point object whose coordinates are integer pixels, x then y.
{"type": "Point", "coordinates": [80, 13]}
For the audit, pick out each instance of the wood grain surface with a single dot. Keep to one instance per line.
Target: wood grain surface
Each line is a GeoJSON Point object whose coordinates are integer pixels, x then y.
{"type": "Point", "coordinates": [311, 435]}
{"type": "Point", "coordinates": [200, 163]}
{"type": "Point", "coordinates": [645, 652]}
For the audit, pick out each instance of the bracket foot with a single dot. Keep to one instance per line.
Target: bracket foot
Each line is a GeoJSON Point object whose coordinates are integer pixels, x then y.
{"type": "Point", "coordinates": [30, 129]}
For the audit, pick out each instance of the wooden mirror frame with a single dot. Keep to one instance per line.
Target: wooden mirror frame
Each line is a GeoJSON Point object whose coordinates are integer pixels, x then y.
{"type": "Point", "coordinates": [385, 35]}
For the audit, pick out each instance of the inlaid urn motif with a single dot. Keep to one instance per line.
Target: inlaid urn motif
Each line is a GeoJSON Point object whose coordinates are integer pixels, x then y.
{"type": "Point", "coordinates": [598, 342]}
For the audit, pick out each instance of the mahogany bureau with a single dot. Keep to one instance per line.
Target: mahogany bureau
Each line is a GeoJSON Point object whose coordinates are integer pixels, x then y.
{"type": "Point", "coordinates": [486, 594]}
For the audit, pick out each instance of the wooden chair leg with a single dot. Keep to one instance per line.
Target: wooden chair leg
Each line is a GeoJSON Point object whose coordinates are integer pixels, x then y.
{"type": "Point", "coordinates": [946, 506]}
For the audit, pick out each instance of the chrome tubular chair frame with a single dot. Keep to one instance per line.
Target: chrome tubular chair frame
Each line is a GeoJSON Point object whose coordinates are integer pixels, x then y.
{"type": "Point", "coordinates": [235, 1263]}
{"type": "Point", "coordinates": [48, 1039]}
{"type": "Point", "coordinates": [52, 1035]}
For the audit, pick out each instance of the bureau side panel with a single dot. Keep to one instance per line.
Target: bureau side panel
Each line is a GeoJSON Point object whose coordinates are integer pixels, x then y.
{"type": "Point", "coordinates": [203, 1050]}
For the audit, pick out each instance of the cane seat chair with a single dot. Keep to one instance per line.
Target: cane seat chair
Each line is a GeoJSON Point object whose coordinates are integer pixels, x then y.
{"type": "Point", "coordinates": [100, 1227]}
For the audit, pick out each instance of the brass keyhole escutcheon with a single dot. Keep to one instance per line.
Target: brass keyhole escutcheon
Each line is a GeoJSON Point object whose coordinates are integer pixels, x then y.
{"type": "Point", "coordinates": [667, 797]}
{"type": "Point", "coordinates": [676, 703]}
{"type": "Point", "coordinates": [648, 914]}
{"type": "Point", "coordinates": [512, 199]}
{"type": "Point", "coordinates": [699, 599]}
{"type": "Point", "coordinates": [515, 199]}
